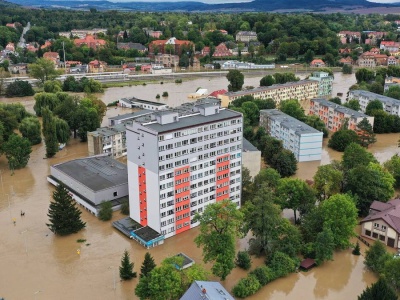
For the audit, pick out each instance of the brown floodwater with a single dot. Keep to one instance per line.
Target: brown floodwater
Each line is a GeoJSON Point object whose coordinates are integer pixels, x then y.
{"type": "Point", "coordinates": [35, 264]}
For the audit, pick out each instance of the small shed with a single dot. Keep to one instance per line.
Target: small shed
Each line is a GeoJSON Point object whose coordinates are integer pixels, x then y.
{"type": "Point", "coordinates": [307, 264]}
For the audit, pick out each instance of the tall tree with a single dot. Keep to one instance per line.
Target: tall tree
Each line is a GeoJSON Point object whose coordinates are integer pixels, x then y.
{"type": "Point", "coordinates": [236, 80]}
{"type": "Point", "coordinates": [9, 121]}
{"type": "Point", "coordinates": [391, 273]}
{"type": "Point", "coordinates": [365, 133]}
{"type": "Point", "coordinates": [328, 181]}
{"type": "Point", "coordinates": [50, 133]}
{"type": "Point", "coordinates": [64, 215]}
{"type": "Point", "coordinates": [285, 163]}
{"type": "Point", "coordinates": [324, 245]}
{"type": "Point", "coordinates": [148, 265]}
{"type": "Point", "coordinates": [43, 69]}
{"type": "Point", "coordinates": [17, 150]}
{"type": "Point", "coordinates": [297, 195]}
{"type": "Point", "coordinates": [393, 167]}
{"type": "Point", "coordinates": [354, 156]}
{"type": "Point", "coordinates": [353, 104]}
{"type": "Point", "coordinates": [62, 130]}
{"type": "Point", "coordinates": [126, 268]}
{"type": "Point", "coordinates": [219, 225]}
{"type": "Point", "coordinates": [373, 105]}
{"type": "Point", "coordinates": [293, 108]}
{"type": "Point", "coordinates": [376, 257]}
{"type": "Point", "coordinates": [267, 80]}
{"type": "Point", "coordinates": [378, 290]}
{"type": "Point", "coordinates": [30, 128]}
{"type": "Point", "coordinates": [341, 139]}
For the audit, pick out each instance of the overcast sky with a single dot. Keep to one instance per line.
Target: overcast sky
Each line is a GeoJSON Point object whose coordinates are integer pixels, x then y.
{"type": "Point", "coordinates": [384, 1]}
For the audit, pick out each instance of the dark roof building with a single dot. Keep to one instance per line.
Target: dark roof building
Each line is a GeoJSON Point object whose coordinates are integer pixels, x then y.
{"type": "Point", "coordinates": [206, 290]}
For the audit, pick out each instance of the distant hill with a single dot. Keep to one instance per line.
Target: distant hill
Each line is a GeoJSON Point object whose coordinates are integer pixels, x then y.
{"type": "Point", "coordinates": [256, 5]}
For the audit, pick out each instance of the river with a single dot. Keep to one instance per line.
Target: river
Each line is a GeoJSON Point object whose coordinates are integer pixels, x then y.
{"type": "Point", "coordinates": [35, 264]}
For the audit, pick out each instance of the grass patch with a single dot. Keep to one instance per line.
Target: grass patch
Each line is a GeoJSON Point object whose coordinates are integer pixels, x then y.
{"type": "Point", "coordinates": [81, 241]}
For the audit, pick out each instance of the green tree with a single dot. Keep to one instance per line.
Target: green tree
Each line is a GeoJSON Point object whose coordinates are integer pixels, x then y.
{"type": "Point", "coordinates": [49, 133]}
{"type": "Point", "coordinates": [43, 69]}
{"type": "Point", "coordinates": [268, 178]}
{"type": "Point", "coordinates": [243, 260]}
{"type": "Point", "coordinates": [251, 113]}
{"type": "Point", "coordinates": [219, 225]}
{"type": "Point", "coordinates": [285, 163]}
{"type": "Point", "coordinates": [369, 183]}
{"type": "Point", "coordinates": [324, 245]}
{"type": "Point", "coordinates": [328, 181]}
{"type": "Point", "coordinates": [354, 156]}
{"type": "Point", "coordinates": [263, 274]}
{"type": "Point", "coordinates": [336, 100]}
{"type": "Point", "coordinates": [293, 108]}
{"type": "Point", "coordinates": [378, 290]}
{"type": "Point", "coordinates": [376, 257]}
{"type": "Point", "coordinates": [282, 264]}
{"type": "Point", "coordinates": [295, 194]}
{"type": "Point", "coordinates": [382, 121]}
{"type": "Point", "coordinates": [347, 69]}
{"type": "Point", "coordinates": [341, 139]}
{"type": "Point", "coordinates": [9, 121]}
{"type": "Point", "coordinates": [30, 128]}
{"type": "Point", "coordinates": [52, 86]}
{"type": "Point", "coordinates": [393, 92]}
{"type": "Point", "coordinates": [106, 211]}
{"type": "Point", "coordinates": [365, 133]}
{"type": "Point", "coordinates": [246, 286]}
{"type": "Point", "coordinates": [356, 250]}
{"type": "Point", "coordinates": [393, 167]}
{"type": "Point", "coordinates": [353, 104]}
{"type": "Point", "coordinates": [315, 122]}
{"type": "Point", "coordinates": [373, 105]}
{"type": "Point", "coordinates": [126, 268]}
{"type": "Point", "coordinates": [43, 100]}
{"type": "Point", "coordinates": [236, 80]}
{"type": "Point", "coordinates": [391, 273]}
{"type": "Point", "coordinates": [148, 265]}
{"type": "Point", "coordinates": [364, 74]}
{"type": "Point", "coordinates": [17, 150]}
{"type": "Point", "coordinates": [64, 216]}
{"type": "Point", "coordinates": [271, 147]}
{"type": "Point", "coordinates": [62, 130]}
{"type": "Point", "coordinates": [339, 213]}
{"type": "Point", "coordinates": [247, 185]}
{"type": "Point", "coordinates": [309, 56]}
{"type": "Point", "coordinates": [19, 88]}
{"type": "Point", "coordinates": [267, 80]}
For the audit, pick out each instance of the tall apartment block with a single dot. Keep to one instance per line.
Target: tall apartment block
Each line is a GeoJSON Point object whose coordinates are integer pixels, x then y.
{"type": "Point", "coordinates": [390, 105]}
{"type": "Point", "coordinates": [179, 161]}
{"type": "Point", "coordinates": [335, 115]}
{"type": "Point", "coordinates": [325, 83]}
{"type": "Point", "coordinates": [300, 90]}
{"type": "Point", "coordinates": [304, 141]}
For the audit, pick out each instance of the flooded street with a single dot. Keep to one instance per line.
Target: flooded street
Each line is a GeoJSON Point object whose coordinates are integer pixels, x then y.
{"type": "Point", "coordinates": [35, 264]}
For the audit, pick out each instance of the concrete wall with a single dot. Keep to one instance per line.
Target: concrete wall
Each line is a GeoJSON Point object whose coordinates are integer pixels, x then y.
{"type": "Point", "coordinates": [252, 161]}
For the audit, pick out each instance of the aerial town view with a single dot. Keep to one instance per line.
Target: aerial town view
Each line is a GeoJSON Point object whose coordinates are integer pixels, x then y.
{"type": "Point", "coordinates": [199, 150]}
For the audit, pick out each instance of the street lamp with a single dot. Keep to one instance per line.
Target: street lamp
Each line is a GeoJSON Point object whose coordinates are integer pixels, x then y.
{"type": "Point", "coordinates": [26, 246]}
{"type": "Point", "coordinates": [114, 277]}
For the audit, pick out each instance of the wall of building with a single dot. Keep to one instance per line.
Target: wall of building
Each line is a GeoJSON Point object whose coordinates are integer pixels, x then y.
{"type": "Point", "coordinates": [252, 161]}
{"type": "Point", "coordinates": [376, 232]}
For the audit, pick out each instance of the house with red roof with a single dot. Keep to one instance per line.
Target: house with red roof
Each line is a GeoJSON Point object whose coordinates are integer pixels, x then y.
{"type": "Point", "coordinates": [346, 60]}
{"type": "Point", "coordinates": [46, 44]}
{"type": "Point", "coordinates": [97, 66]}
{"type": "Point", "coordinates": [222, 51]}
{"type": "Point", "coordinates": [216, 93]}
{"type": "Point", "coordinates": [176, 46]}
{"type": "Point", "coordinates": [205, 51]}
{"type": "Point", "coordinates": [90, 41]}
{"type": "Point", "coordinates": [53, 56]}
{"type": "Point", "coordinates": [375, 51]}
{"type": "Point", "coordinates": [317, 63]}
{"type": "Point", "coordinates": [10, 47]}
{"type": "Point", "coordinates": [392, 47]}
{"type": "Point", "coordinates": [383, 223]}
{"type": "Point", "coordinates": [392, 61]}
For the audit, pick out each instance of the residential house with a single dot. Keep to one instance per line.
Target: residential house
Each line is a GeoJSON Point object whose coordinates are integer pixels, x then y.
{"type": "Point", "coordinates": [14, 25]}
{"type": "Point", "coordinates": [10, 47]}
{"type": "Point", "coordinates": [383, 223]}
{"type": "Point", "coordinates": [97, 66]}
{"type": "Point", "coordinates": [152, 33]}
{"type": "Point", "coordinates": [222, 51]}
{"type": "Point", "coordinates": [146, 68]}
{"type": "Point", "coordinates": [246, 36]}
{"type": "Point", "coordinates": [390, 105]}
{"type": "Point", "coordinates": [167, 60]}
{"type": "Point", "coordinates": [381, 59]}
{"type": "Point", "coordinates": [205, 51]}
{"type": "Point", "coordinates": [345, 51]}
{"type": "Point", "coordinates": [349, 36]}
{"type": "Point", "coordinates": [317, 63]}
{"type": "Point", "coordinates": [170, 46]}
{"type": "Point", "coordinates": [346, 60]}
{"type": "Point", "coordinates": [392, 61]}
{"type": "Point", "coordinates": [128, 46]}
{"type": "Point", "coordinates": [31, 48]}
{"type": "Point", "coordinates": [301, 90]}
{"type": "Point", "coordinates": [392, 47]}
{"type": "Point", "coordinates": [303, 140]}
{"type": "Point", "coordinates": [216, 93]}
{"type": "Point", "coordinates": [367, 60]}
{"type": "Point", "coordinates": [108, 140]}
{"type": "Point", "coordinates": [206, 290]}
{"type": "Point", "coordinates": [82, 33]}
{"type": "Point", "coordinates": [53, 56]}
{"type": "Point", "coordinates": [90, 41]}
{"type": "Point", "coordinates": [335, 115]}
{"type": "Point", "coordinates": [20, 68]}
{"type": "Point", "coordinates": [46, 44]}
{"type": "Point", "coordinates": [375, 51]}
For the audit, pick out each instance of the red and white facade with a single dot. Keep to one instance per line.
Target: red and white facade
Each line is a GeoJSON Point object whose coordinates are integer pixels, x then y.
{"type": "Point", "coordinates": [180, 161]}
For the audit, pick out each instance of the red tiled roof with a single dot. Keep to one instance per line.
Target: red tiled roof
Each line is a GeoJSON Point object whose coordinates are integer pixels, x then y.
{"type": "Point", "coordinates": [53, 55]}
{"type": "Point", "coordinates": [218, 92]}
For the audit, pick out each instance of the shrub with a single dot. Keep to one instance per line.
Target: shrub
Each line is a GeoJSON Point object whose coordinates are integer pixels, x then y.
{"type": "Point", "coordinates": [158, 96]}
{"type": "Point", "coordinates": [243, 260]}
{"type": "Point", "coordinates": [19, 88]}
{"type": "Point", "coordinates": [356, 250]}
{"type": "Point", "coordinates": [165, 94]}
{"type": "Point", "coordinates": [263, 274]}
{"type": "Point", "coordinates": [105, 213]}
{"type": "Point", "coordinates": [246, 286]}
{"type": "Point", "coordinates": [178, 80]}
{"type": "Point", "coordinates": [125, 207]}
{"type": "Point", "coordinates": [282, 264]}
{"type": "Point", "coordinates": [162, 82]}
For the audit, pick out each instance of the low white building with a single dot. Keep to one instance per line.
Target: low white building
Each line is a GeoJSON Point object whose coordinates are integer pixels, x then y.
{"type": "Point", "coordinates": [138, 103]}
{"type": "Point", "coordinates": [304, 141]}
{"type": "Point", "coordinates": [390, 105]}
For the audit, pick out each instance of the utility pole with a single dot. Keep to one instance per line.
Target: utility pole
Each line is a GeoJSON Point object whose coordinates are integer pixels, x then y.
{"type": "Point", "coordinates": [65, 64]}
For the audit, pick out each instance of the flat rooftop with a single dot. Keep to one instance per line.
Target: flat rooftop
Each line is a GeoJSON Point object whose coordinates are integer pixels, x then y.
{"type": "Point", "coordinates": [109, 131]}
{"type": "Point", "coordinates": [248, 147]}
{"type": "Point", "coordinates": [289, 122]}
{"type": "Point", "coordinates": [95, 172]}
{"type": "Point", "coordinates": [384, 99]}
{"type": "Point", "coordinates": [340, 108]}
{"type": "Point", "coordinates": [134, 100]}
{"type": "Point", "coordinates": [131, 115]}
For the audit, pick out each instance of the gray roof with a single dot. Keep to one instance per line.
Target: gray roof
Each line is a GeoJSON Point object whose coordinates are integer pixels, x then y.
{"type": "Point", "coordinates": [289, 122]}
{"type": "Point", "coordinates": [373, 96]}
{"type": "Point", "coordinates": [109, 131]}
{"type": "Point", "coordinates": [193, 120]}
{"type": "Point", "coordinates": [131, 115]}
{"type": "Point", "coordinates": [390, 213]}
{"type": "Point", "coordinates": [206, 290]}
{"type": "Point", "coordinates": [252, 33]}
{"type": "Point", "coordinates": [274, 86]}
{"type": "Point", "coordinates": [340, 108]}
{"type": "Point", "coordinates": [134, 100]}
{"type": "Point", "coordinates": [95, 172]}
{"type": "Point", "coordinates": [247, 146]}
